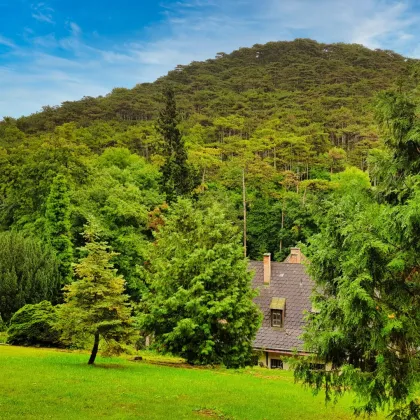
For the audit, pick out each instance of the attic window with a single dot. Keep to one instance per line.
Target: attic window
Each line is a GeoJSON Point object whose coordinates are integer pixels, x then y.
{"type": "Point", "coordinates": [277, 306]}
{"type": "Point", "coordinates": [277, 318]}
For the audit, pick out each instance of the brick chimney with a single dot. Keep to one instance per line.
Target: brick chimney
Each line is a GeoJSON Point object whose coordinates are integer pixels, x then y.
{"type": "Point", "coordinates": [267, 269]}
{"type": "Point", "coordinates": [295, 256]}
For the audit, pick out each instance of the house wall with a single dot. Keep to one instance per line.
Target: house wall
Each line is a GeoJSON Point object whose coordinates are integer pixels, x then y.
{"type": "Point", "coordinates": [265, 359]}
{"type": "Point", "coordinates": [266, 356]}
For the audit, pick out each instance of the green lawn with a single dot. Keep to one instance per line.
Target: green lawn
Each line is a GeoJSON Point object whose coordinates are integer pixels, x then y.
{"type": "Point", "coordinates": [51, 384]}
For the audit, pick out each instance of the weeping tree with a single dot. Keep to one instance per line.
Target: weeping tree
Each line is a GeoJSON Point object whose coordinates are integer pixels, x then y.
{"type": "Point", "coordinates": [29, 273]}
{"type": "Point", "coordinates": [96, 306]}
{"type": "Point", "coordinates": [366, 264]}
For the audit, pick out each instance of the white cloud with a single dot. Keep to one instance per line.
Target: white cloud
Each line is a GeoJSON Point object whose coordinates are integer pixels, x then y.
{"type": "Point", "coordinates": [75, 29]}
{"type": "Point", "coordinates": [7, 42]}
{"type": "Point", "coordinates": [41, 73]}
{"type": "Point", "coordinates": [42, 13]}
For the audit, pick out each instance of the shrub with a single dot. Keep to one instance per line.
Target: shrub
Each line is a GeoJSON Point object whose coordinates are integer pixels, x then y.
{"type": "Point", "coordinates": [35, 324]}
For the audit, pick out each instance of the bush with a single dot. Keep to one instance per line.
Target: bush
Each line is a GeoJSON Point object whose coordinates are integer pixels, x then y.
{"type": "Point", "coordinates": [35, 324]}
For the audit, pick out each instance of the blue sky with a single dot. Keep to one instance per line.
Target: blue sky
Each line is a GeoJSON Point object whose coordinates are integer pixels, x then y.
{"type": "Point", "coordinates": [58, 50]}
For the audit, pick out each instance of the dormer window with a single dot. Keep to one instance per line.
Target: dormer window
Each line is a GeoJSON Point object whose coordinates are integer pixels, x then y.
{"type": "Point", "coordinates": [277, 318]}
{"type": "Point", "coordinates": [277, 307]}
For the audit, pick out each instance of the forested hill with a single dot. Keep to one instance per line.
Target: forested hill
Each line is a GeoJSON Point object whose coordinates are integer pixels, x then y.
{"type": "Point", "coordinates": [284, 115]}
{"type": "Point", "coordinates": [300, 83]}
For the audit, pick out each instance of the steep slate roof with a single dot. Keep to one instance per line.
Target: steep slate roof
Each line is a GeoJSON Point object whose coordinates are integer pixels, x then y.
{"type": "Point", "coordinates": [291, 282]}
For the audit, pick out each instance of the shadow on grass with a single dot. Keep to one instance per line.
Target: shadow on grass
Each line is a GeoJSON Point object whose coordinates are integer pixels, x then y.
{"type": "Point", "coordinates": [110, 366]}
{"type": "Point", "coordinates": [100, 366]}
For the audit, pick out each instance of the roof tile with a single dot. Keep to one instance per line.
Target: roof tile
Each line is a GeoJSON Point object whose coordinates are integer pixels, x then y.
{"type": "Point", "coordinates": [289, 281]}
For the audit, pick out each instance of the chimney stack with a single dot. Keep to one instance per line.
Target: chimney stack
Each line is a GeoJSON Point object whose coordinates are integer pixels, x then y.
{"type": "Point", "coordinates": [267, 269]}
{"type": "Point", "coordinates": [295, 256]}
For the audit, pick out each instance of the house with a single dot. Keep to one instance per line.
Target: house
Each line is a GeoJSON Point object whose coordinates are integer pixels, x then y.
{"type": "Point", "coordinates": [284, 295]}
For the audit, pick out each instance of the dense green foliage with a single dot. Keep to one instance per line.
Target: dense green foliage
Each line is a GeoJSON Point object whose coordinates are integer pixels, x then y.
{"type": "Point", "coordinates": [200, 300]}
{"type": "Point", "coordinates": [119, 195]}
{"type": "Point", "coordinates": [29, 273]}
{"type": "Point", "coordinates": [58, 225]}
{"type": "Point", "coordinates": [95, 304]}
{"type": "Point", "coordinates": [35, 325]}
{"type": "Point", "coordinates": [285, 113]}
{"type": "Point", "coordinates": [178, 177]}
{"type": "Point", "coordinates": [3, 326]}
{"type": "Point", "coordinates": [365, 260]}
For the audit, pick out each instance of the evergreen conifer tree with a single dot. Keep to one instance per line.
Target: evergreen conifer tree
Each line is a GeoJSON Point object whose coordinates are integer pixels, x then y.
{"type": "Point", "coordinates": [95, 304]}
{"type": "Point", "coordinates": [58, 225]}
{"type": "Point", "coordinates": [365, 262]}
{"type": "Point", "coordinates": [179, 178]}
{"type": "Point", "coordinates": [200, 301]}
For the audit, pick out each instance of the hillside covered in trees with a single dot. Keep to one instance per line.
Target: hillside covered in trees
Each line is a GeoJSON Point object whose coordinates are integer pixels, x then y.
{"type": "Point", "coordinates": [281, 117]}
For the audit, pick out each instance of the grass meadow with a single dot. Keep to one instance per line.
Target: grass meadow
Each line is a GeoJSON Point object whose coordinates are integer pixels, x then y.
{"type": "Point", "coordinates": [52, 384]}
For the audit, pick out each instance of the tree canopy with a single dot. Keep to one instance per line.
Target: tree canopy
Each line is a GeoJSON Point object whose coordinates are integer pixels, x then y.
{"type": "Point", "coordinates": [29, 273]}
{"type": "Point", "coordinates": [95, 304]}
{"type": "Point", "coordinates": [365, 262]}
{"type": "Point", "coordinates": [199, 303]}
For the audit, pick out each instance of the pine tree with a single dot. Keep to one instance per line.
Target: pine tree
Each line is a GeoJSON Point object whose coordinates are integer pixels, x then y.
{"type": "Point", "coordinates": [58, 225]}
{"type": "Point", "coordinates": [178, 176]}
{"type": "Point", "coordinates": [200, 301]}
{"type": "Point", "coordinates": [95, 304]}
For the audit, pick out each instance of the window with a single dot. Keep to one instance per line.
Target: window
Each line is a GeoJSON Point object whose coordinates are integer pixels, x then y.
{"type": "Point", "coordinates": [277, 318]}
{"type": "Point", "coordinates": [276, 364]}
{"type": "Point", "coordinates": [277, 307]}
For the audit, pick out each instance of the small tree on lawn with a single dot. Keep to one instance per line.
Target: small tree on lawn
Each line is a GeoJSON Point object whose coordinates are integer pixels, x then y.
{"type": "Point", "coordinates": [200, 301]}
{"type": "Point", "coordinates": [95, 305]}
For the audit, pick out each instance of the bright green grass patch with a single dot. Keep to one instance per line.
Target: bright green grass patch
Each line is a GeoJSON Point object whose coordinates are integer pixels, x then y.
{"type": "Point", "coordinates": [51, 384]}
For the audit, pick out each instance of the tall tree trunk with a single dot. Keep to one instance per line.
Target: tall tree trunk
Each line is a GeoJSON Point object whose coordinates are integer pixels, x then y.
{"type": "Point", "coordinates": [275, 159]}
{"type": "Point", "coordinates": [244, 205]}
{"type": "Point", "coordinates": [282, 226]}
{"type": "Point", "coordinates": [94, 350]}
